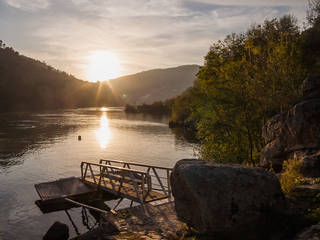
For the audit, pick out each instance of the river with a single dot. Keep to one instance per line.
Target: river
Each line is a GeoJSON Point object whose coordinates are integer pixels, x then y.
{"type": "Point", "coordinates": [43, 146]}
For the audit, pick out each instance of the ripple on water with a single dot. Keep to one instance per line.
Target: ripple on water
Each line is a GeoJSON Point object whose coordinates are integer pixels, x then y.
{"type": "Point", "coordinates": [40, 147]}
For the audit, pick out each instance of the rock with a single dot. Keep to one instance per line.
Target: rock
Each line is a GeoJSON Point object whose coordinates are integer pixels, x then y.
{"type": "Point", "coordinates": [310, 159]}
{"type": "Point", "coordinates": [58, 231]}
{"type": "Point", "coordinates": [272, 155]}
{"type": "Point", "coordinates": [306, 196]}
{"type": "Point", "coordinates": [272, 129]}
{"type": "Point", "coordinates": [296, 132]}
{"type": "Point", "coordinates": [311, 233]}
{"type": "Point", "coordinates": [310, 88]}
{"type": "Point", "coordinates": [109, 228]}
{"type": "Point", "coordinates": [105, 231]}
{"type": "Point", "coordinates": [228, 201]}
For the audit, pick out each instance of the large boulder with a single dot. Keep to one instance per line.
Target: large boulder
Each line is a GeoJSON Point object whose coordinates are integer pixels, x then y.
{"type": "Point", "coordinates": [306, 196]}
{"type": "Point", "coordinates": [295, 133]}
{"type": "Point", "coordinates": [58, 231]}
{"type": "Point", "coordinates": [228, 201]}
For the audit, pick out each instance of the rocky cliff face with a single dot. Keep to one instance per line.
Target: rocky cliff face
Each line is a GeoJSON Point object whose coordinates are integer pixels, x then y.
{"type": "Point", "coordinates": [296, 133]}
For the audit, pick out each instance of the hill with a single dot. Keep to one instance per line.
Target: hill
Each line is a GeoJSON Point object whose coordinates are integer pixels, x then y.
{"type": "Point", "coordinates": [155, 85]}
{"type": "Point", "coordinates": [26, 83]}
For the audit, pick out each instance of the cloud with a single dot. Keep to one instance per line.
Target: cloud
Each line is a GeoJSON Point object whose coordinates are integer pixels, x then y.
{"type": "Point", "coordinates": [252, 2]}
{"type": "Point", "coordinates": [28, 5]}
{"type": "Point", "coordinates": [144, 34]}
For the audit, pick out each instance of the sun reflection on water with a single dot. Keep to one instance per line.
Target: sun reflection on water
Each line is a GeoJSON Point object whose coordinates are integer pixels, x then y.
{"type": "Point", "coordinates": [103, 133]}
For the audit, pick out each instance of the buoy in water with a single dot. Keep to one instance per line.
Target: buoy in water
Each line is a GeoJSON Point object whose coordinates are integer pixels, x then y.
{"type": "Point", "coordinates": [79, 138]}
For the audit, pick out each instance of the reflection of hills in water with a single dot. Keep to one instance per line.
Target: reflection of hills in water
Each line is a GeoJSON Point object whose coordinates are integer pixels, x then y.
{"type": "Point", "coordinates": [142, 123]}
{"type": "Point", "coordinates": [184, 138]}
{"type": "Point", "coordinates": [22, 132]}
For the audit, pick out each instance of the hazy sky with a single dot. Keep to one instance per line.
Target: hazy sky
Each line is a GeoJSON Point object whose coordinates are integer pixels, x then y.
{"type": "Point", "coordinates": [143, 34]}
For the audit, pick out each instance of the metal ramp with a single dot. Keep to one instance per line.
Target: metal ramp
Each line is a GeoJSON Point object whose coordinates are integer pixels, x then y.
{"type": "Point", "coordinates": [138, 182]}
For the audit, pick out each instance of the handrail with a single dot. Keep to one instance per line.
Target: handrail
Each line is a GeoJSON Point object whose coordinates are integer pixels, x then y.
{"type": "Point", "coordinates": [115, 167]}
{"type": "Point", "coordinates": [165, 186]}
{"type": "Point", "coordinates": [145, 182]}
{"type": "Point", "coordinates": [102, 174]}
{"type": "Point", "coordinates": [135, 164]}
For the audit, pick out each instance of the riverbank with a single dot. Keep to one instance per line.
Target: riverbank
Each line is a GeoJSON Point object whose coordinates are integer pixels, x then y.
{"type": "Point", "coordinates": [155, 222]}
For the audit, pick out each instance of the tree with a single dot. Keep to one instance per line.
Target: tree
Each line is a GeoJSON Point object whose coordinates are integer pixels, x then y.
{"type": "Point", "coordinates": [246, 79]}
{"type": "Point", "coordinates": [311, 49]}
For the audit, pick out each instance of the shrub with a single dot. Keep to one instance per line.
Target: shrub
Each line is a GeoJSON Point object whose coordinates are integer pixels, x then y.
{"type": "Point", "coordinates": [291, 175]}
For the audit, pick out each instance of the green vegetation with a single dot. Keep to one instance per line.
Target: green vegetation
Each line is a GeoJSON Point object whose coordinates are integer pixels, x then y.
{"type": "Point", "coordinates": [26, 83]}
{"type": "Point", "coordinates": [184, 109]}
{"type": "Point", "coordinates": [246, 79]}
{"type": "Point", "coordinates": [314, 215]}
{"type": "Point", "coordinates": [160, 107]}
{"type": "Point", "coordinates": [291, 176]}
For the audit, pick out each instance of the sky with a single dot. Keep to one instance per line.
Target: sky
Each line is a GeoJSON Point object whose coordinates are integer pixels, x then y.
{"type": "Point", "coordinates": [139, 34]}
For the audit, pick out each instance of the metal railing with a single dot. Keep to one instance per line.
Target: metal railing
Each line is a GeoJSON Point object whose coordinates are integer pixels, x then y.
{"type": "Point", "coordinates": [116, 179]}
{"type": "Point", "coordinates": [160, 176]}
{"type": "Point", "coordinates": [126, 181]}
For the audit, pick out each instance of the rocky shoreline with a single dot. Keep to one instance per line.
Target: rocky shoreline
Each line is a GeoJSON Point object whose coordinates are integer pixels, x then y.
{"type": "Point", "coordinates": [226, 201]}
{"type": "Point", "coordinates": [157, 221]}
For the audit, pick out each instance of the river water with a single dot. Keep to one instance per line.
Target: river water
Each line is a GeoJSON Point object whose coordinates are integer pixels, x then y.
{"type": "Point", "coordinates": [44, 146]}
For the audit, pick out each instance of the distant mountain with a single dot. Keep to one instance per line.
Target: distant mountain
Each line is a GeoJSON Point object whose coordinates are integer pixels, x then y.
{"type": "Point", "coordinates": [155, 85]}
{"type": "Point", "coordinates": [26, 84]}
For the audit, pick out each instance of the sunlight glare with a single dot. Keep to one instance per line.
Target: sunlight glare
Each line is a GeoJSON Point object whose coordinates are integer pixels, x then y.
{"type": "Point", "coordinates": [103, 133]}
{"type": "Point", "coordinates": [103, 109]}
{"type": "Point", "coordinates": [103, 65]}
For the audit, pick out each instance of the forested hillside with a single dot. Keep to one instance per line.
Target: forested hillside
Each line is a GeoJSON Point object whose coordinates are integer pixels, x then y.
{"type": "Point", "coordinates": [155, 85]}
{"type": "Point", "coordinates": [246, 79]}
{"type": "Point", "coordinates": [26, 83]}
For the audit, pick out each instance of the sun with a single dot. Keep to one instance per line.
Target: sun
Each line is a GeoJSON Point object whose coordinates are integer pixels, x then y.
{"type": "Point", "coordinates": [103, 65]}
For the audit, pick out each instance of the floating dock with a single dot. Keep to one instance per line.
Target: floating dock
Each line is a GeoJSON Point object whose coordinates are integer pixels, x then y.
{"type": "Point", "coordinates": [54, 195]}
{"type": "Point", "coordinates": [66, 187]}
{"type": "Point", "coordinates": [140, 183]}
